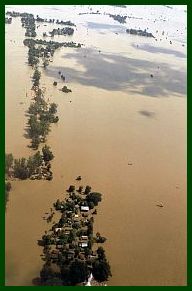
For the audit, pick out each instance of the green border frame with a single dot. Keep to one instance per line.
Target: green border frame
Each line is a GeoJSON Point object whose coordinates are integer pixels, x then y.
{"type": "Point", "coordinates": [2, 129]}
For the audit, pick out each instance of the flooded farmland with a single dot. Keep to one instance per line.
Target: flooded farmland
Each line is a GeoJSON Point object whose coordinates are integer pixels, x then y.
{"type": "Point", "coordinates": [123, 129]}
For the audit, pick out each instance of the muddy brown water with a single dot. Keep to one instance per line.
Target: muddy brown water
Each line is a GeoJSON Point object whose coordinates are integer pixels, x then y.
{"type": "Point", "coordinates": [125, 144]}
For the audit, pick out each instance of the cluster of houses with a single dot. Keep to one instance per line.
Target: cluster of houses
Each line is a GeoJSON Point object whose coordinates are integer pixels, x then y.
{"type": "Point", "coordinates": [72, 237]}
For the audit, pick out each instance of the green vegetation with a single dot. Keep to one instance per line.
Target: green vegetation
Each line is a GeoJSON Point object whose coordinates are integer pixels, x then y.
{"type": "Point", "coordinates": [69, 23]}
{"type": "Point", "coordinates": [47, 154]}
{"type": "Point", "coordinates": [101, 270]}
{"type": "Point", "coordinates": [28, 22]}
{"type": "Point", "coordinates": [119, 18]}
{"type": "Point", "coordinates": [36, 77]}
{"type": "Point", "coordinates": [35, 167]}
{"type": "Point", "coordinates": [7, 190]}
{"type": "Point", "coordinates": [62, 31]}
{"type": "Point", "coordinates": [65, 89]}
{"type": "Point", "coordinates": [69, 242]}
{"type": "Point", "coordinates": [41, 114]}
{"type": "Point", "coordinates": [94, 198]}
{"type": "Point", "coordinates": [87, 189]}
{"type": "Point", "coordinates": [139, 32]}
{"type": "Point", "coordinates": [8, 20]}
{"type": "Point", "coordinates": [78, 272]}
{"type": "Point", "coordinates": [40, 49]}
{"type": "Point", "coordinates": [8, 163]}
{"type": "Point", "coordinates": [40, 19]}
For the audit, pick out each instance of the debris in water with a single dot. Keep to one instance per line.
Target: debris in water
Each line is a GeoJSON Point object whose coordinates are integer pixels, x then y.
{"type": "Point", "coordinates": [159, 205]}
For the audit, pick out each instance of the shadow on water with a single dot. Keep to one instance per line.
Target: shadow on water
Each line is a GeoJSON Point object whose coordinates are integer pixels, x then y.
{"type": "Point", "coordinates": [119, 73]}
{"type": "Point", "coordinates": [152, 49]}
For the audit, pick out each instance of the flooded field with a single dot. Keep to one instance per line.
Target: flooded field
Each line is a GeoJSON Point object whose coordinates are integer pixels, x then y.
{"type": "Point", "coordinates": [122, 130]}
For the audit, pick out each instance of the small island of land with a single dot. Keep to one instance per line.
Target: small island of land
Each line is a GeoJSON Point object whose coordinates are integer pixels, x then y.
{"type": "Point", "coordinates": [69, 251]}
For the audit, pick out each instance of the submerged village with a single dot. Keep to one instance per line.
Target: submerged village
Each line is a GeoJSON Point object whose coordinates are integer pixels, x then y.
{"type": "Point", "coordinates": [69, 253]}
{"type": "Point", "coordinates": [82, 131]}
{"type": "Point", "coordinates": [41, 113]}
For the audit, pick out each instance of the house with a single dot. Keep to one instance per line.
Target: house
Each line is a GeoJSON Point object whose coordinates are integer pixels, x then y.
{"type": "Point", "coordinates": [76, 217]}
{"type": "Point", "coordinates": [83, 244]}
{"type": "Point", "coordinates": [84, 237]}
{"type": "Point", "coordinates": [58, 229]}
{"type": "Point", "coordinates": [85, 208]}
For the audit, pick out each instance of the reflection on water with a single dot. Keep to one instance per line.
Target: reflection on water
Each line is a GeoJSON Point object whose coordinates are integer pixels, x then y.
{"type": "Point", "coordinates": [103, 135]}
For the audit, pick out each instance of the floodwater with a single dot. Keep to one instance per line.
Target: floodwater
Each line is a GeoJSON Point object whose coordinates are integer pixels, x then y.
{"type": "Point", "coordinates": [124, 132]}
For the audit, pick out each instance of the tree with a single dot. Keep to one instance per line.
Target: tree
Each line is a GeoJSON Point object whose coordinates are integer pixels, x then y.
{"type": "Point", "coordinates": [36, 75]}
{"type": "Point", "coordinates": [72, 236]}
{"type": "Point", "coordinates": [100, 239]}
{"type": "Point", "coordinates": [47, 154]}
{"type": "Point", "coordinates": [8, 162]}
{"type": "Point", "coordinates": [80, 189]}
{"type": "Point", "coordinates": [32, 60]}
{"type": "Point", "coordinates": [46, 273]}
{"type": "Point", "coordinates": [31, 166]}
{"type": "Point", "coordinates": [71, 188]}
{"type": "Point", "coordinates": [43, 128]}
{"type": "Point", "coordinates": [45, 63]}
{"type": "Point", "coordinates": [78, 272]}
{"type": "Point", "coordinates": [35, 142]}
{"type": "Point", "coordinates": [101, 253]}
{"type": "Point", "coordinates": [94, 197]}
{"type": "Point", "coordinates": [38, 159]}
{"type": "Point", "coordinates": [90, 228]}
{"type": "Point", "coordinates": [34, 162]}
{"type": "Point", "coordinates": [87, 190]}
{"type": "Point", "coordinates": [7, 190]}
{"type": "Point", "coordinates": [101, 270]}
{"type": "Point", "coordinates": [8, 186]}
{"type": "Point", "coordinates": [20, 169]}
{"type": "Point", "coordinates": [53, 108]}
{"type": "Point", "coordinates": [91, 205]}
{"type": "Point", "coordinates": [34, 108]}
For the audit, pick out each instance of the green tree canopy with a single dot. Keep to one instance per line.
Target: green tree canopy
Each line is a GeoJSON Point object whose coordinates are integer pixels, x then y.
{"type": "Point", "coordinates": [101, 270]}
{"type": "Point", "coordinates": [21, 170]}
{"type": "Point", "coordinates": [53, 108]}
{"type": "Point", "coordinates": [78, 272]}
{"type": "Point", "coordinates": [94, 197]}
{"type": "Point", "coordinates": [47, 154]}
{"type": "Point", "coordinates": [8, 162]}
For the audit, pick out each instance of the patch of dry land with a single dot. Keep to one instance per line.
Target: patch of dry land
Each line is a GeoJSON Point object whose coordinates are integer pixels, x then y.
{"type": "Point", "coordinates": [122, 128]}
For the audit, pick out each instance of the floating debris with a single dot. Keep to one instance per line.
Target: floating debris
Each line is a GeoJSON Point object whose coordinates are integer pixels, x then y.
{"type": "Point", "coordinates": [159, 205]}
